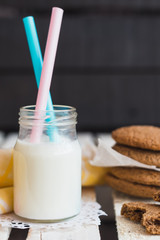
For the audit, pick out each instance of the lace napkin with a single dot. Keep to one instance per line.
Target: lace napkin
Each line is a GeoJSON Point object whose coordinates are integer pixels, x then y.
{"type": "Point", "coordinates": [90, 213]}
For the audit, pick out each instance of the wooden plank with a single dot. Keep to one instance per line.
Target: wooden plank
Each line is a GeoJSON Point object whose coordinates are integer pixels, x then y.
{"type": "Point", "coordinates": [107, 41]}
{"type": "Point", "coordinates": [21, 91]}
{"type": "Point", "coordinates": [4, 233]}
{"type": "Point", "coordinates": [87, 41]}
{"type": "Point", "coordinates": [104, 198]}
{"type": "Point", "coordinates": [9, 141]}
{"type": "Point", "coordinates": [2, 137]}
{"type": "Point", "coordinates": [40, 4]}
{"type": "Point", "coordinates": [85, 232]}
{"type": "Point", "coordinates": [116, 100]}
{"type": "Point", "coordinates": [34, 234]}
{"type": "Point", "coordinates": [88, 194]}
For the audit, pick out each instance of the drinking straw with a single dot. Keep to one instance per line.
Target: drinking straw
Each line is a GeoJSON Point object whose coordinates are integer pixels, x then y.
{"type": "Point", "coordinates": [37, 61]}
{"type": "Point", "coordinates": [47, 69]}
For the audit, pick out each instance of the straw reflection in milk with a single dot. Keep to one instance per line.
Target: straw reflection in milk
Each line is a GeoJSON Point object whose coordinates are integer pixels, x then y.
{"type": "Point", "coordinates": [47, 179]}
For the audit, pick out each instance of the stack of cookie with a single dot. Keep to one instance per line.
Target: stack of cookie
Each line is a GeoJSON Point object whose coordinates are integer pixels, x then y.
{"type": "Point", "coordinates": [141, 143]}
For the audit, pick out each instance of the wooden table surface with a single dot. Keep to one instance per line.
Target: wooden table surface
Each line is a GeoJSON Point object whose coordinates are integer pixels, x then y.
{"type": "Point", "coordinates": [85, 232]}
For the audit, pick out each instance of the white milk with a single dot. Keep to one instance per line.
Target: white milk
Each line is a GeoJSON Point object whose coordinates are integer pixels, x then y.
{"type": "Point", "coordinates": [47, 180]}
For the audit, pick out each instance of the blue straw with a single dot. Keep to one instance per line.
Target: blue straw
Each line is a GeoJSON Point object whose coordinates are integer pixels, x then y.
{"type": "Point", "coordinates": [37, 61]}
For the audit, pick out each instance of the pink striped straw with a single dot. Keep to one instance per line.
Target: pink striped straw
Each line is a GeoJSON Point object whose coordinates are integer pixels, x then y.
{"type": "Point", "coordinates": [47, 69]}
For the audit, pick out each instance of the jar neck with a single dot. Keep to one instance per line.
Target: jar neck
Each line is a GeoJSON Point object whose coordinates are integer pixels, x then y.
{"type": "Point", "coordinates": [62, 122]}
{"type": "Point", "coordinates": [61, 116]}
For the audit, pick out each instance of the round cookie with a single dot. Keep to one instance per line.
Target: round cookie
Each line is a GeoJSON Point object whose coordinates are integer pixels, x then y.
{"type": "Point", "coordinates": [141, 155]}
{"type": "Point", "coordinates": [146, 137]}
{"type": "Point", "coordinates": [137, 175]}
{"type": "Point", "coordinates": [133, 189]}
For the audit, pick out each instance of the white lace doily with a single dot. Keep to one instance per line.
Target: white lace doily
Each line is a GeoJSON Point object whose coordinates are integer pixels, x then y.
{"type": "Point", "coordinates": [89, 214]}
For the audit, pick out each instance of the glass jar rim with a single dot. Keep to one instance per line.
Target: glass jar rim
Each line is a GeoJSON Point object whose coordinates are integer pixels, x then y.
{"type": "Point", "coordinates": [61, 108]}
{"type": "Point", "coordinates": [63, 116]}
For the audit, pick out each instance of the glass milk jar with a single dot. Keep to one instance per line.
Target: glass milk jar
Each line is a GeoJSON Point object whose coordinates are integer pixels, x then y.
{"type": "Point", "coordinates": [47, 173]}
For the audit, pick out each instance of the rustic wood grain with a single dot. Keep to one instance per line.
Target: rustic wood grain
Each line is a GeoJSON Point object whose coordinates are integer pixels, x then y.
{"type": "Point", "coordinates": [86, 41]}
{"type": "Point", "coordinates": [116, 100]}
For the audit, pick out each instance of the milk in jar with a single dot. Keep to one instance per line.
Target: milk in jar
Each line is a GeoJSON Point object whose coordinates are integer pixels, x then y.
{"type": "Point", "coordinates": [47, 175]}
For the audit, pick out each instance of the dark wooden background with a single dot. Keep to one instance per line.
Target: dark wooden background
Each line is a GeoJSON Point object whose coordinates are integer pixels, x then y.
{"type": "Point", "coordinates": [107, 65]}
